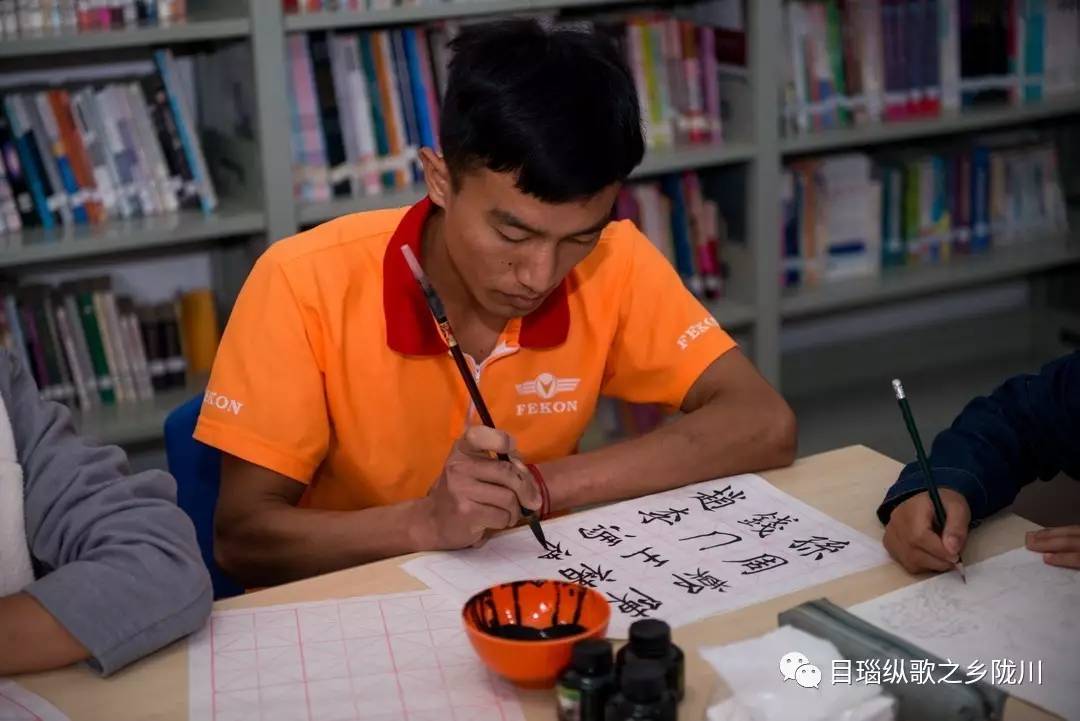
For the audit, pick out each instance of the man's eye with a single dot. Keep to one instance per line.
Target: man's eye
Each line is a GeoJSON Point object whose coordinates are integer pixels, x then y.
{"type": "Point", "coordinates": [508, 238]}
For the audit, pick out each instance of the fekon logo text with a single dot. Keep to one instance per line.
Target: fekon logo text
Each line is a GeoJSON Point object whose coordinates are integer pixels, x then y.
{"type": "Point", "coordinates": [224, 403]}
{"type": "Point", "coordinates": [696, 330]}
{"type": "Point", "coordinates": [547, 386]}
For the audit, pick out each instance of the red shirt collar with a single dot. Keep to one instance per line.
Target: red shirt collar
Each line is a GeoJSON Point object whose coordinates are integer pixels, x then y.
{"type": "Point", "coordinates": [410, 327]}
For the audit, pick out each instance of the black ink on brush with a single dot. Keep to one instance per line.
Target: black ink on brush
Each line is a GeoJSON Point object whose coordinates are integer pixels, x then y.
{"type": "Point", "coordinates": [484, 613]}
{"type": "Point", "coordinates": [435, 305]}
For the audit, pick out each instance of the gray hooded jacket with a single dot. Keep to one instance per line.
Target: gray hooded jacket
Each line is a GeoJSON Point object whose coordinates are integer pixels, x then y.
{"type": "Point", "coordinates": [115, 560]}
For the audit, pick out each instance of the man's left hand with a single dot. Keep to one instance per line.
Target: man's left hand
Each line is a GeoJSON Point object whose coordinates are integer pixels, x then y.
{"type": "Point", "coordinates": [1059, 546]}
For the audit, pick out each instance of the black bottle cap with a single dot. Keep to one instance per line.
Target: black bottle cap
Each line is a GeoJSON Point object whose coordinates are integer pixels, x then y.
{"type": "Point", "coordinates": [591, 657]}
{"type": "Point", "coordinates": [650, 637]}
{"type": "Point", "coordinates": [643, 681]}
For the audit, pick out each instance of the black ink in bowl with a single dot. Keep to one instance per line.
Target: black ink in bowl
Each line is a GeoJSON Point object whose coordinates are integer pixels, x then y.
{"type": "Point", "coordinates": [525, 631]}
{"type": "Point", "coordinates": [519, 611]}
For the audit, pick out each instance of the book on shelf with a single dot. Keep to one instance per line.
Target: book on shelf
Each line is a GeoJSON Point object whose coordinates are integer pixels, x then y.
{"type": "Point", "coordinates": [364, 103]}
{"type": "Point", "coordinates": [683, 224]}
{"type": "Point", "coordinates": [33, 18]}
{"type": "Point", "coordinates": [89, 347]}
{"type": "Point", "coordinates": [851, 215]}
{"type": "Point", "coordinates": [86, 154]}
{"type": "Point", "coordinates": [853, 62]}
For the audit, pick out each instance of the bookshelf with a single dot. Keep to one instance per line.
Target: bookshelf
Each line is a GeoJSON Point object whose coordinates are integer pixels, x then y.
{"type": "Point", "coordinates": [434, 11]}
{"type": "Point", "coordinates": [947, 124]}
{"type": "Point", "coordinates": [761, 307]}
{"type": "Point", "coordinates": [133, 423]}
{"type": "Point", "coordinates": [693, 157]}
{"type": "Point", "coordinates": [894, 284]}
{"type": "Point", "coordinates": [199, 27]}
{"type": "Point", "coordinates": [656, 162]}
{"type": "Point", "coordinates": [186, 228]}
{"type": "Point", "coordinates": [732, 313]}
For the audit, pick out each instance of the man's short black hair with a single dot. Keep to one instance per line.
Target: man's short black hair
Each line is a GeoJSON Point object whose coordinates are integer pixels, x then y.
{"type": "Point", "coordinates": [558, 107]}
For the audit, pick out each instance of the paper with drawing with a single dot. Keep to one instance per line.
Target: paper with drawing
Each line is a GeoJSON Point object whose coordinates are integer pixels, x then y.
{"type": "Point", "coordinates": [1015, 609]}
{"type": "Point", "coordinates": [680, 555]}
{"type": "Point", "coordinates": [384, 657]}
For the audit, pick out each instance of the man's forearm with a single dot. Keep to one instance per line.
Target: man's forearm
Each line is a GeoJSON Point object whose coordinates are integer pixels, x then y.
{"type": "Point", "coordinates": [718, 439]}
{"type": "Point", "coordinates": [31, 639]}
{"type": "Point", "coordinates": [283, 543]}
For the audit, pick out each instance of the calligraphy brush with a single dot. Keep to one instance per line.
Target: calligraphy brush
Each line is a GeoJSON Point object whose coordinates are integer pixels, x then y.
{"type": "Point", "coordinates": [931, 484]}
{"type": "Point", "coordinates": [436, 307]}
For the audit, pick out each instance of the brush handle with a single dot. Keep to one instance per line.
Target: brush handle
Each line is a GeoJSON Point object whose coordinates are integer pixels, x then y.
{"type": "Point", "coordinates": [481, 408]}
{"type": "Point", "coordinates": [474, 391]}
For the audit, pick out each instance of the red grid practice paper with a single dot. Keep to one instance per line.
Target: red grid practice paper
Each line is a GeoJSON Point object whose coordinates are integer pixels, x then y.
{"type": "Point", "coordinates": [367, 658]}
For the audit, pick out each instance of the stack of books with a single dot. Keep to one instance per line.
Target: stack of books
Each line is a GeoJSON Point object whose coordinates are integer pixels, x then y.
{"type": "Point", "coordinates": [30, 18]}
{"type": "Point", "coordinates": [364, 103]}
{"type": "Point", "coordinates": [88, 347]}
{"type": "Point", "coordinates": [687, 228]}
{"type": "Point", "coordinates": [853, 62]}
{"type": "Point", "coordinates": [851, 215]}
{"type": "Point", "coordinates": [92, 154]}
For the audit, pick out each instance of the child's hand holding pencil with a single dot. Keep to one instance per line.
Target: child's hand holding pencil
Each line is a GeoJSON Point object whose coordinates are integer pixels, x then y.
{"type": "Point", "coordinates": [949, 527]}
{"type": "Point", "coordinates": [910, 537]}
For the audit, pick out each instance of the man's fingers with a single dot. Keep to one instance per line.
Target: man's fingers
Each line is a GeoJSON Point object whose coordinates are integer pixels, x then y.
{"type": "Point", "coordinates": [481, 440]}
{"type": "Point", "coordinates": [507, 475]}
{"type": "Point", "coordinates": [481, 516]}
{"type": "Point", "coordinates": [1065, 560]}
{"type": "Point", "coordinates": [496, 496]}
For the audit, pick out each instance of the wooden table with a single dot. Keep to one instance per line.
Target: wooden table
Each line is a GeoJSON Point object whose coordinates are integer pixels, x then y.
{"type": "Point", "coordinates": [846, 484]}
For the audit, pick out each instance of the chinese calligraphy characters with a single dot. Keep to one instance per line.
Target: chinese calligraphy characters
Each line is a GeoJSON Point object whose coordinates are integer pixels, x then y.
{"type": "Point", "coordinates": [611, 535]}
{"type": "Point", "coordinates": [711, 501]}
{"type": "Point", "coordinates": [727, 539]}
{"type": "Point", "coordinates": [586, 575]}
{"type": "Point", "coordinates": [653, 558]}
{"type": "Point", "coordinates": [766, 524]}
{"type": "Point", "coordinates": [699, 581]}
{"type": "Point", "coordinates": [818, 545]}
{"type": "Point", "coordinates": [671, 516]}
{"type": "Point", "coordinates": [757, 564]}
{"type": "Point", "coordinates": [635, 603]}
{"type": "Point", "coordinates": [555, 552]}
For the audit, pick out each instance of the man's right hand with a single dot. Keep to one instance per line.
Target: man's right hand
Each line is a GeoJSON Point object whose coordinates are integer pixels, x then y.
{"type": "Point", "coordinates": [476, 492]}
{"type": "Point", "coordinates": [910, 536]}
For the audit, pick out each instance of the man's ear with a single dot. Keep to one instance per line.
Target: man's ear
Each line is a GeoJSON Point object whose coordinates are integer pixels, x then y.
{"type": "Point", "coordinates": [436, 176]}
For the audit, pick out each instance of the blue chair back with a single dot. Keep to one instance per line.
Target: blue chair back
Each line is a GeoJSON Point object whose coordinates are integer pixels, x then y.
{"type": "Point", "coordinates": [197, 469]}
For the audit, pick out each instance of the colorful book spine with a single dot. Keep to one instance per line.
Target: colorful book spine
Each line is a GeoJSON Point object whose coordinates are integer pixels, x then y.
{"type": "Point", "coordinates": [188, 136]}
{"type": "Point", "coordinates": [30, 161]}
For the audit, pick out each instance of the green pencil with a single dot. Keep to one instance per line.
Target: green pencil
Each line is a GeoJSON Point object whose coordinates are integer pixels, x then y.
{"type": "Point", "coordinates": [931, 484]}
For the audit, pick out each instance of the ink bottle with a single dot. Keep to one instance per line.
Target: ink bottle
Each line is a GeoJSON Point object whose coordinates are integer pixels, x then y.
{"type": "Point", "coordinates": [643, 695]}
{"type": "Point", "coordinates": [584, 688]}
{"type": "Point", "coordinates": [650, 639]}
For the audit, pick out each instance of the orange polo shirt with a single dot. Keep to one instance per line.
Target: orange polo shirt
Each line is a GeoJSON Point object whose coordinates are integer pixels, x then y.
{"type": "Point", "coordinates": [332, 371]}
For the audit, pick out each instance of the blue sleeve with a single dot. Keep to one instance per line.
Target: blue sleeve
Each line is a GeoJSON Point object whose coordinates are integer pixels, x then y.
{"type": "Point", "coordinates": [1027, 429]}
